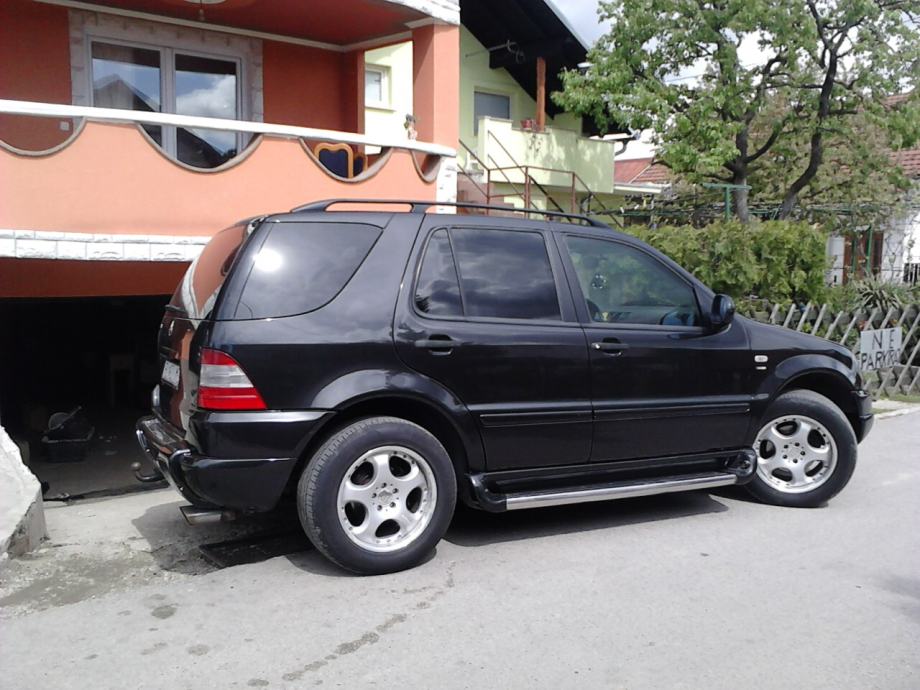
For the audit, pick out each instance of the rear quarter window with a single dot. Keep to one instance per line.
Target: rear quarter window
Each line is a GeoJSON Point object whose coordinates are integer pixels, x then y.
{"type": "Point", "coordinates": [302, 266]}
{"type": "Point", "coordinates": [197, 292]}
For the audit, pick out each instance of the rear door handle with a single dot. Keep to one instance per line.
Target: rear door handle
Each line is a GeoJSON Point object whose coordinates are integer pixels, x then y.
{"type": "Point", "coordinates": [442, 344]}
{"type": "Point", "coordinates": [613, 347]}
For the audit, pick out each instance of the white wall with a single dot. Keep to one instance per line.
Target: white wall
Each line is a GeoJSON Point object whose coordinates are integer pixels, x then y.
{"type": "Point", "coordinates": [22, 519]}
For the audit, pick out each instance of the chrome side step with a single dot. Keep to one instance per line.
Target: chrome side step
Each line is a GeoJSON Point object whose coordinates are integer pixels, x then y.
{"type": "Point", "coordinates": [629, 489]}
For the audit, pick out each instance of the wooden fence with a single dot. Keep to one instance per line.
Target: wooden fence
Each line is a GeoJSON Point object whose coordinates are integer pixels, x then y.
{"type": "Point", "coordinates": [844, 327]}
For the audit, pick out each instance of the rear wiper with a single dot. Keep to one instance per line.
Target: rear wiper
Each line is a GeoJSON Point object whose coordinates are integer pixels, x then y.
{"type": "Point", "coordinates": [174, 309]}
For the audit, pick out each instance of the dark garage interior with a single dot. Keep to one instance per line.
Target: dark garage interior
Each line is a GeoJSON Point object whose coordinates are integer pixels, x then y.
{"type": "Point", "coordinates": [96, 353]}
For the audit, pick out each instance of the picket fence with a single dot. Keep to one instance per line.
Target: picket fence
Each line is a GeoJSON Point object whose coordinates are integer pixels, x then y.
{"type": "Point", "coordinates": [844, 327]}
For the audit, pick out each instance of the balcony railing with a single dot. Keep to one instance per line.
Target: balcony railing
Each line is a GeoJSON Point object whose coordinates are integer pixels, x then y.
{"type": "Point", "coordinates": [553, 155]}
{"type": "Point", "coordinates": [109, 177]}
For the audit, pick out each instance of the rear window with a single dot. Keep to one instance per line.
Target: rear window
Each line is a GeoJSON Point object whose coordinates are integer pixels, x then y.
{"type": "Point", "coordinates": [198, 290]}
{"type": "Point", "coordinates": [302, 266]}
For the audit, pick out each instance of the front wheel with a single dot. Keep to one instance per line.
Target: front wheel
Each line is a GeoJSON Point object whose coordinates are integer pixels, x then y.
{"type": "Point", "coordinates": [806, 451]}
{"type": "Point", "coordinates": [378, 495]}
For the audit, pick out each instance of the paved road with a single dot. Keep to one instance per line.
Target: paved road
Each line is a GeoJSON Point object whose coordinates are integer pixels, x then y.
{"type": "Point", "coordinates": [684, 591]}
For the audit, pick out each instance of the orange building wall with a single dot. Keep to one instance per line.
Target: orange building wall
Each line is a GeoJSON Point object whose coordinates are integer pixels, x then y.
{"type": "Point", "coordinates": [56, 278]}
{"type": "Point", "coordinates": [34, 66]}
{"type": "Point", "coordinates": [305, 87]}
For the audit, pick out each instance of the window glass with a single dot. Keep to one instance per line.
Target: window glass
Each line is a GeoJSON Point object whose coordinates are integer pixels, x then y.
{"type": "Point", "coordinates": [206, 87]}
{"type": "Point", "coordinates": [438, 289]}
{"type": "Point", "coordinates": [127, 78]}
{"type": "Point", "coordinates": [622, 284]}
{"type": "Point", "coordinates": [490, 105]}
{"type": "Point", "coordinates": [373, 86]}
{"type": "Point", "coordinates": [505, 274]}
{"type": "Point", "coordinates": [302, 266]}
{"type": "Point", "coordinates": [163, 80]}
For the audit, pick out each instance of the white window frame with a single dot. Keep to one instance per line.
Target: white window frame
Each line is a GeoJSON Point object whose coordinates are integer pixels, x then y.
{"type": "Point", "coordinates": [88, 27]}
{"type": "Point", "coordinates": [168, 82]}
{"type": "Point", "coordinates": [386, 97]}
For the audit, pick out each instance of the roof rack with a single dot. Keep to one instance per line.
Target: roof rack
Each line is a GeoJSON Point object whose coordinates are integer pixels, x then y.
{"type": "Point", "coordinates": [425, 206]}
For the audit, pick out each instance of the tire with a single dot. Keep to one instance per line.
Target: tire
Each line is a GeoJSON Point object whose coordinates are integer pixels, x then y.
{"type": "Point", "coordinates": [349, 500]}
{"type": "Point", "coordinates": [806, 451]}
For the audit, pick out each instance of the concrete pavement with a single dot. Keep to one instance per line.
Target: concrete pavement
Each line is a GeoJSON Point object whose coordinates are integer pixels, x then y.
{"type": "Point", "coordinates": [683, 591]}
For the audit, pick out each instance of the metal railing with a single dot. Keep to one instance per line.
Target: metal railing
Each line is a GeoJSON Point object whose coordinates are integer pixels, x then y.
{"type": "Point", "coordinates": [576, 185]}
{"type": "Point", "coordinates": [54, 110]}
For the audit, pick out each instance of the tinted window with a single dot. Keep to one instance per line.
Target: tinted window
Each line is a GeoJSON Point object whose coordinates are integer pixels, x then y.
{"type": "Point", "coordinates": [301, 266]}
{"type": "Point", "coordinates": [505, 274]}
{"type": "Point", "coordinates": [622, 284]}
{"type": "Point", "coordinates": [438, 290]}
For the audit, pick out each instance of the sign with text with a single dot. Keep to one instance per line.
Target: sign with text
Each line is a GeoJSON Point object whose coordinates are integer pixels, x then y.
{"type": "Point", "coordinates": [879, 349]}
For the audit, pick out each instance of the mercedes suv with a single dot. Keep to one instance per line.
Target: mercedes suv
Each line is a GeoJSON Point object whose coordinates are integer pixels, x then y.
{"type": "Point", "coordinates": [378, 363]}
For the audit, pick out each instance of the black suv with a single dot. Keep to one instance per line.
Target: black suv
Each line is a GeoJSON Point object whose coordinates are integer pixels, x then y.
{"type": "Point", "coordinates": [379, 365]}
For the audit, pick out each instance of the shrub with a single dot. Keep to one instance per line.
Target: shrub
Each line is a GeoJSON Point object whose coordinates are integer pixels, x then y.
{"type": "Point", "coordinates": [780, 261]}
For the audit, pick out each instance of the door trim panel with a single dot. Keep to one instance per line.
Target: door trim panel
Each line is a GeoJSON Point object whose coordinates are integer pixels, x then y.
{"type": "Point", "coordinates": [609, 411]}
{"type": "Point", "coordinates": [501, 419]}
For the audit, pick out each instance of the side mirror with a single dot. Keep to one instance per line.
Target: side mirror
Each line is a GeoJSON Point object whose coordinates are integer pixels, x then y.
{"type": "Point", "coordinates": [722, 312]}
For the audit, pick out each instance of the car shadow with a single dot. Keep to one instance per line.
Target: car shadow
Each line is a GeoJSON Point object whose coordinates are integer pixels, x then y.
{"type": "Point", "coordinates": [176, 546]}
{"type": "Point", "coordinates": [179, 547]}
{"type": "Point", "coordinates": [477, 528]}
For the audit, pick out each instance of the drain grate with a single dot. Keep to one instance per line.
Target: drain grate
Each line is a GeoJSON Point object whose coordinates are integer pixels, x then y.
{"type": "Point", "coordinates": [254, 548]}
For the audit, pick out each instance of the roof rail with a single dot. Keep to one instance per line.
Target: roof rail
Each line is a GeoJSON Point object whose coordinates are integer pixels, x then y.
{"type": "Point", "coordinates": [425, 206]}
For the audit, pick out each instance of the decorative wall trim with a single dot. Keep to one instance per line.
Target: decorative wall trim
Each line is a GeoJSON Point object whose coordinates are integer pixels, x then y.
{"type": "Point", "coordinates": [446, 189]}
{"type": "Point", "coordinates": [84, 246]}
{"type": "Point", "coordinates": [368, 173]}
{"type": "Point", "coordinates": [76, 132]}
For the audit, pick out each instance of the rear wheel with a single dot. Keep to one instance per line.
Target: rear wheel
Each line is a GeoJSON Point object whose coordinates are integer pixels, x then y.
{"type": "Point", "coordinates": [806, 451]}
{"type": "Point", "coordinates": [378, 495]}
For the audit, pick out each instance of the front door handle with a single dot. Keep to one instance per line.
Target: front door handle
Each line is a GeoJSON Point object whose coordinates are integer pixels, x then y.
{"type": "Point", "coordinates": [611, 346]}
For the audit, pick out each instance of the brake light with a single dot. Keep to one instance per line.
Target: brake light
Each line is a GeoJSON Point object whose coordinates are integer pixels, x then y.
{"type": "Point", "coordinates": [223, 385]}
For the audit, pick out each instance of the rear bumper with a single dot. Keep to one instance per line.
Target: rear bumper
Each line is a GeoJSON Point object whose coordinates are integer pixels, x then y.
{"type": "Point", "coordinates": [865, 418]}
{"type": "Point", "coordinates": [252, 483]}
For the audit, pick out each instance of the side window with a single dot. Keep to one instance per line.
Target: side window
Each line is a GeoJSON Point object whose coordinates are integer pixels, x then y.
{"type": "Point", "coordinates": [622, 284]}
{"type": "Point", "coordinates": [505, 274]}
{"type": "Point", "coordinates": [438, 289]}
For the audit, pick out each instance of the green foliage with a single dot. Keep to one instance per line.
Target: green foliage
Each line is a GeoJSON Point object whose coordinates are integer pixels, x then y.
{"type": "Point", "coordinates": [778, 261]}
{"type": "Point", "coordinates": [724, 83]}
{"type": "Point", "coordinates": [873, 293]}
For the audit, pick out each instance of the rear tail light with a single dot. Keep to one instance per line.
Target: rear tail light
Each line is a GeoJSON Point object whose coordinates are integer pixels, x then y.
{"type": "Point", "coordinates": [223, 385]}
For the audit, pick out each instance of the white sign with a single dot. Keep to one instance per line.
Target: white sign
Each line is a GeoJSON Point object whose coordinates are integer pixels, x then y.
{"type": "Point", "coordinates": [879, 349]}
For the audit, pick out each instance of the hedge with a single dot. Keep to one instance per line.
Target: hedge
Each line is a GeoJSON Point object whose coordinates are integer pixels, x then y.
{"type": "Point", "coordinates": [780, 261]}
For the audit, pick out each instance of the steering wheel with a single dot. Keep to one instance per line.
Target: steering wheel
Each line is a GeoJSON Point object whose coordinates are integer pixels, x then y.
{"type": "Point", "coordinates": [674, 318]}
{"type": "Point", "coordinates": [593, 311]}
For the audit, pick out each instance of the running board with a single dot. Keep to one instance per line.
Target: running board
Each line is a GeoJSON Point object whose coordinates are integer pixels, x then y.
{"type": "Point", "coordinates": [615, 490]}
{"type": "Point", "coordinates": [499, 491]}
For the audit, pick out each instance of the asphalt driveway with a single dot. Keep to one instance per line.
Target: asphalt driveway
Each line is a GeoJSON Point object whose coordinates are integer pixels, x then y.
{"type": "Point", "coordinates": [686, 590]}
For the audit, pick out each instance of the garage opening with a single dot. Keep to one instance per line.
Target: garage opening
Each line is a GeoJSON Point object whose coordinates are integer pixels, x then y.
{"type": "Point", "coordinates": [94, 353]}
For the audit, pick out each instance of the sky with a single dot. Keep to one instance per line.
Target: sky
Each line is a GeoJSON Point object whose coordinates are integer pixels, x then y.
{"type": "Point", "coordinates": [582, 14]}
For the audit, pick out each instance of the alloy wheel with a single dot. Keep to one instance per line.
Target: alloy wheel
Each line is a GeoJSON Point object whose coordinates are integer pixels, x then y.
{"type": "Point", "coordinates": [387, 498]}
{"type": "Point", "coordinates": [796, 454]}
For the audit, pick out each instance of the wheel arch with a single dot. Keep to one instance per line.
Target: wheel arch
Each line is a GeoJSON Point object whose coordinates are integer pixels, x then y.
{"type": "Point", "coordinates": [830, 383]}
{"type": "Point", "coordinates": [453, 427]}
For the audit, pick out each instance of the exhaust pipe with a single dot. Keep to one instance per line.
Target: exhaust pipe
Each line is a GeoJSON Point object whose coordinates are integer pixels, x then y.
{"type": "Point", "coordinates": [203, 516]}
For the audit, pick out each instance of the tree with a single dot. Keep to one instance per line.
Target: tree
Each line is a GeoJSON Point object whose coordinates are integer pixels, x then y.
{"type": "Point", "coordinates": [704, 75]}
